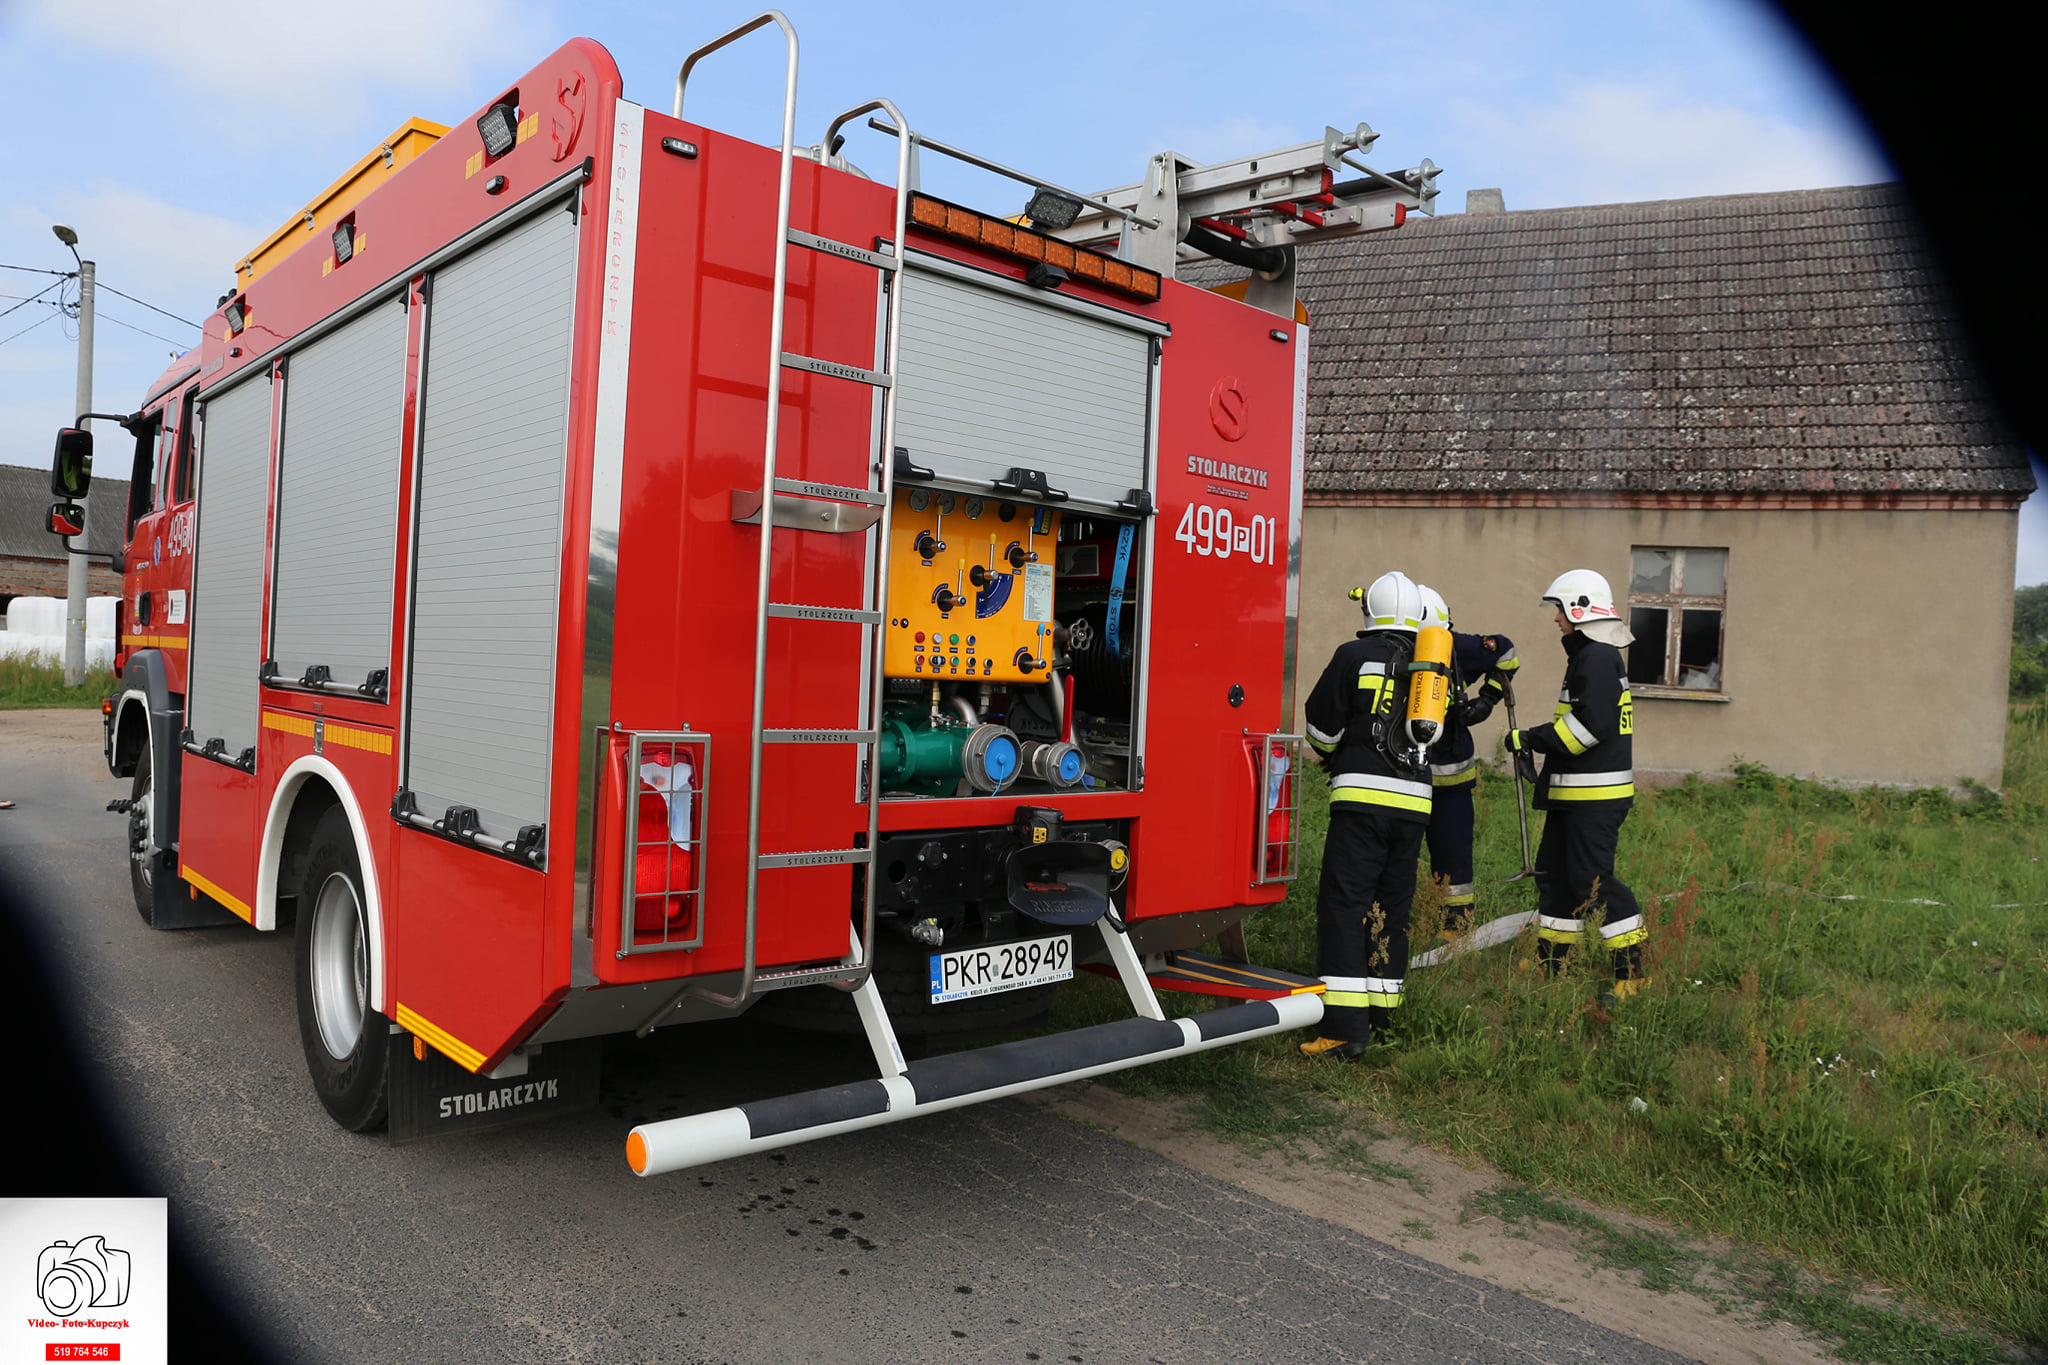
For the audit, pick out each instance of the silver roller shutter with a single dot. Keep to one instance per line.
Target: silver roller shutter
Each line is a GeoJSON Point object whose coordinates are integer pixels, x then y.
{"type": "Point", "coordinates": [227, 569]}
{"type": "Point", "coordinates": [493, 441]}
{"type": "Point", "coordinates": [337, 499]}
{"type": "Point", "coordinates": [988, 380]}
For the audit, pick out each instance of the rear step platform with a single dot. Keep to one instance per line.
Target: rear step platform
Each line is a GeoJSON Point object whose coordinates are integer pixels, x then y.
{"type": "Point", "coordinates": [1201, 974]}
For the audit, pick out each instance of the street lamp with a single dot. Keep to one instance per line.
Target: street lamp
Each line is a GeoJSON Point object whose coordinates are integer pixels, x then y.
{"type": "Point", "coordinates": [75, 569]}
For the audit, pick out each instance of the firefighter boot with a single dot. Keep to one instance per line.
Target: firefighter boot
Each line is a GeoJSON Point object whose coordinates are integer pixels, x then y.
{"type": "Point", "coordinates": [1629, 980]}
{"type": "Point", "coordinates": [1333, 1047]}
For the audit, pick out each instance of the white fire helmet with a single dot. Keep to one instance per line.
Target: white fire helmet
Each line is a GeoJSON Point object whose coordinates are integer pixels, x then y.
{"type": "Point", "coordinates": [1393, 602]}
{"type": "Point", "coordinates": [1584, 596]}
{"type": "Point", "coordinates": [1435, 611]}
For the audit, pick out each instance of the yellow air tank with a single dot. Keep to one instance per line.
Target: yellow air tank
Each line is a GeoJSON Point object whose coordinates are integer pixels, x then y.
{"type": "Point", "coordinates": [1429, 685]}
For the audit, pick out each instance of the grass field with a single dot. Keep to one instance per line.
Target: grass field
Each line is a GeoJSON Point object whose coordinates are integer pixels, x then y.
{"type": "Point", "coordinates": [26, 683]}
{"type": "Point", "coordinates": [1854, 1086]}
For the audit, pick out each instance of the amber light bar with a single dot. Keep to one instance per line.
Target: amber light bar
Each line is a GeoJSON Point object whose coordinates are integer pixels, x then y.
{"type": "Point", "coordinates": [950, 220]}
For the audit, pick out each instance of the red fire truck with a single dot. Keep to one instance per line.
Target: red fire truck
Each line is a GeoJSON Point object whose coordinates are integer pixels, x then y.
{"type": "Point", "coordinates": [616, 574]}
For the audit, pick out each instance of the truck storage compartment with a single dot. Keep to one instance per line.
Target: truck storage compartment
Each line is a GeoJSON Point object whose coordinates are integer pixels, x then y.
{"type": "Point", "coordinates": [488, 543]}
{"type": "Point", "coordinates": [337, 506]}
{"type": "Point", "coordinates": [996, 376]}
{"type": "Point", "coordinates": [1012, 647]}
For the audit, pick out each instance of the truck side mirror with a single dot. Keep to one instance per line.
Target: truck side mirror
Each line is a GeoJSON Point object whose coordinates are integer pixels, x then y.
{"type": "Point", "coordinates": [66, 519]}
{"type": "Point", "coordinates": [71, 466]}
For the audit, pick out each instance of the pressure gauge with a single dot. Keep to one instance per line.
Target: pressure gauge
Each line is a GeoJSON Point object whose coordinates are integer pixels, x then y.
{"type": "Point", "coordinates": [974, 507]}
{"type": "Point", "coordinates": [945, 504]}
{"type": "Point", "coordinates": [919, 499]}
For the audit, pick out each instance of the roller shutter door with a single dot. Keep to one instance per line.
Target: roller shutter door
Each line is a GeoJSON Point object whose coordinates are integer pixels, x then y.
{"type": "Point", "coordinates": [337, 501]}
{"type": "Point", "coordinates": [227, 570]}
{"type": "Point", "coordinates": [493, 439]}
{"type": "Point", "coordinates": [988, 380]}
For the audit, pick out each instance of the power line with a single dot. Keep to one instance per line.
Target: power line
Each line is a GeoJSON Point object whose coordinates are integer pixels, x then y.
{"type": "Point", "coordinates": [109, 317]}
{"type": "Point", "coordinates": [32, 298]}
{"type": "Point", "coordinates": [30, 328]}
{"type": "Point", "coordinates": [152, 308]}
{"type": "Point", "coordinates": [38, 270]}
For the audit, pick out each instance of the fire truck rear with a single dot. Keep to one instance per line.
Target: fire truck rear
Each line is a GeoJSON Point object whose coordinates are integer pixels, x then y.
{"type": "Point", "coordinates": [612, 575]}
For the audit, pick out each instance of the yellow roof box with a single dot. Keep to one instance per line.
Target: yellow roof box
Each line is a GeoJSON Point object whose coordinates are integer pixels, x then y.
{"type": "Point", "coordinates": [414, 136]}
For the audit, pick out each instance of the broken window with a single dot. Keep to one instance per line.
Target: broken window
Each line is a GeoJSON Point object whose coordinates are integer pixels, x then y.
{"type": "Point", "coordinates": [1677, 606]}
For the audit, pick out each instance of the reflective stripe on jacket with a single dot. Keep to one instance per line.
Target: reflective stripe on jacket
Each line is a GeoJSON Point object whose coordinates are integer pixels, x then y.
{"type": "Point", "coordinates": [1588, 749]}
{"type": "Point", "coordinates": [1364, 686]}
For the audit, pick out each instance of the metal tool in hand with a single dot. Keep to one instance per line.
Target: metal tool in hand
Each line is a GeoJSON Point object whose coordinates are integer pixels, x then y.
{"type": "Point", "coordinates": [1521, 806]}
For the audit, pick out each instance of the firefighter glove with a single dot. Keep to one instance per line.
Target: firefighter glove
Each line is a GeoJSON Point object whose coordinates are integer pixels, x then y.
{"type": "Point", "coordinates": [1473, 710]}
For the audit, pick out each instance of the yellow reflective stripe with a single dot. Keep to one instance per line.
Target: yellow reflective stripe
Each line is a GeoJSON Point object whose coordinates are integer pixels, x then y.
{"type": "Point", "coordinates": [372, 740]}
{"type": "Point", "coordinates": [348, 736]}
{"type": "Point", "coordinates": [1561, 935]}
{"type": "Point", "coordinates": [1365, 796]}
{"type": "Point", "coordinates": [1454, 779]}
{"type": "Point", "coordinates": [1358, 1000]}
{"type": "Point", "coordinates": [1617, 793]}
{"type": "Point", "coordinates": [240, 907]}
{"type": "Point", "coordinates": [457, 1051]}
{"type": "Point", "coordinates": [1629, 939]}
{"type": "Point", "coordinates": [1568, 737]}
{"type": "Point", "coordinates": [1323, 746]}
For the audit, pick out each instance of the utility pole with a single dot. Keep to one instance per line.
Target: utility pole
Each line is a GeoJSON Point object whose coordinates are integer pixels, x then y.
{"type": "Point", "coordinates": [75, 581]}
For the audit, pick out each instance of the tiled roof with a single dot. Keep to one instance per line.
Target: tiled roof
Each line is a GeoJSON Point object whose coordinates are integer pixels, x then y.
{"type": "Point", "coordinates": [25, 498]}
{"type": "Point", "coordinates": [1762, 343]}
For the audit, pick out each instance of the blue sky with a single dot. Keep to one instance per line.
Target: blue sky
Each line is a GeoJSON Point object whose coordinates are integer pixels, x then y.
{"type": "Point", "coordinates": [189, 131]}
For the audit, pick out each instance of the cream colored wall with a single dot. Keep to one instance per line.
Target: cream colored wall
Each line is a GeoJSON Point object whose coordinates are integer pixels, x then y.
{"type": "Point", "coordinates": [1861, 646]}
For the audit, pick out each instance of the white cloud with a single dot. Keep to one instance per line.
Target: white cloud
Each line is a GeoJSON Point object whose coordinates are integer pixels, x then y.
{"type": "Point", "coordinates": [1617, 143]}
{"type": "Point", "coordinates": [178, 259]}
{"type": "Point", "coordinates": [263, 68]}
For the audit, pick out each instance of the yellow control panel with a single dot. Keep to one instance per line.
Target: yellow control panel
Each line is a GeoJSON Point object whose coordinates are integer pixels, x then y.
{"type": "Point", "coordinates": [970, 587]}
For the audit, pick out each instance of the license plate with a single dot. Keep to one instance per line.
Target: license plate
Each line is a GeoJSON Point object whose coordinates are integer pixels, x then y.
{"type": "Point", "coordinates": [970, 972]}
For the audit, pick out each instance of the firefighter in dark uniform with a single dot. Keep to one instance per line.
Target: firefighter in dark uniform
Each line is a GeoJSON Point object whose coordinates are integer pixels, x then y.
{"type": "Point", "coordinates": [1587, 784]}
{"type": "Point", "coordinates": [1454, 759]}
{"type": "Point", "coordinates": [1379, 808]}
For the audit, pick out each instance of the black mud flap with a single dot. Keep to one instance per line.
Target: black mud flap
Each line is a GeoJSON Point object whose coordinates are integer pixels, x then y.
{"type": "Point", "coordinates": [177, 904]}
{"type": "Point", "coordinates": [431, 1096]}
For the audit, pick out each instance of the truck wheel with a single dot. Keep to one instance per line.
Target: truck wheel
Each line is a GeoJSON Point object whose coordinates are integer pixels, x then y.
{"type": "Point", "coordinates": [141, 862]}
{"type": "Point", "coordinates": [346, 1040]}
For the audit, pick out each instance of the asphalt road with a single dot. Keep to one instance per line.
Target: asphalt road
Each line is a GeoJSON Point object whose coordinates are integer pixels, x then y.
{"type": "Point", "coordinates": [994, 1233]}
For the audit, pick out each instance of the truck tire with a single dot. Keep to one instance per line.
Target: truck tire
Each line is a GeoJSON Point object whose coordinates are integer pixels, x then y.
{"type": "Point", "coordinates": [347, 1042]}
{"type": "Point", "coordinates": [141, 864]}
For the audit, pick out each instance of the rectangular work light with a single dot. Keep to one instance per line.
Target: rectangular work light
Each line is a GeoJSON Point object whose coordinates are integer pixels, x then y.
{"type": "Point", "coordinates": [500, 129]}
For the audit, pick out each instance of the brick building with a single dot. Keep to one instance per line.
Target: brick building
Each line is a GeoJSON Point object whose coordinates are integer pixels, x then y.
{"type": "Point", "coordinates": [31, 559]}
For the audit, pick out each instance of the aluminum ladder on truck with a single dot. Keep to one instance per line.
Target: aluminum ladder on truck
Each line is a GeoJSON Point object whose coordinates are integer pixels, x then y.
{"type": "Point", "coordinates": [797, 506]}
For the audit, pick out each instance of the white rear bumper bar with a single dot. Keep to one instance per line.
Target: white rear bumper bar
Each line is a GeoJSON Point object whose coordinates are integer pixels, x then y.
{"type": "Point", "coordinates": [957, 1079]}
